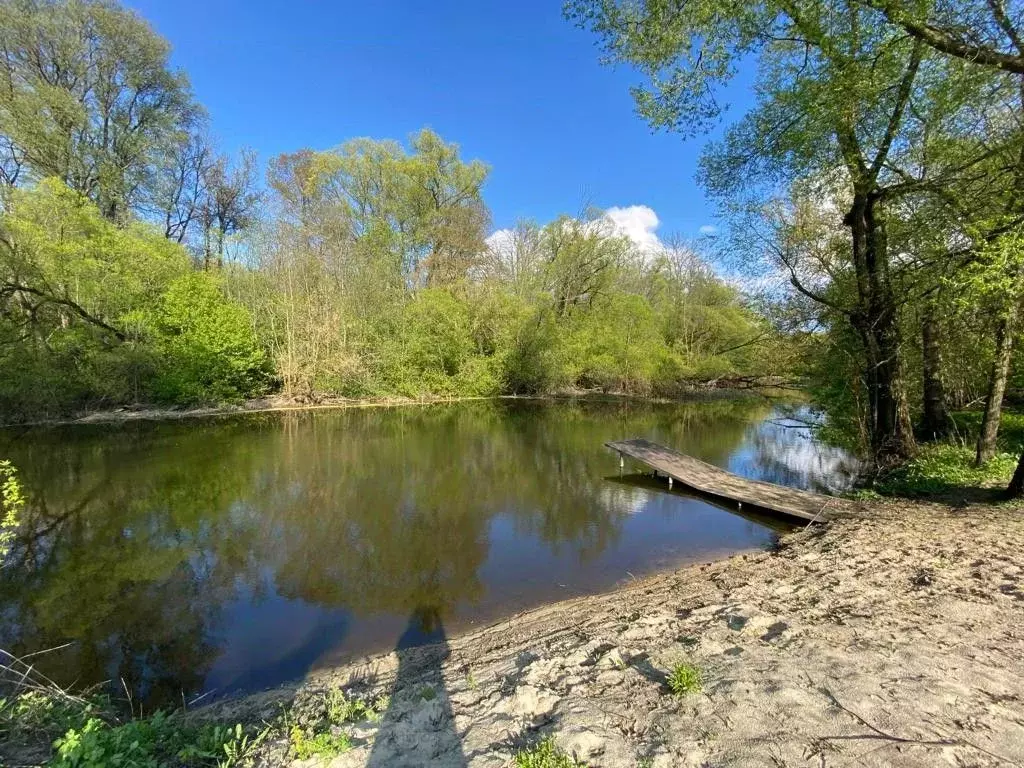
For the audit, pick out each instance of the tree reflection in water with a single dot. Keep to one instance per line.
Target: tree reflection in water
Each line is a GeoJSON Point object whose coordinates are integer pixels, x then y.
{"type": "Point", "coordinates": [154, 547]}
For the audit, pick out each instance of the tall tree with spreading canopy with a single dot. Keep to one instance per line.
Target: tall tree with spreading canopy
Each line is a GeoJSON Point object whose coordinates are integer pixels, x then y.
{"type": "Point", "coordinates": [87, 95]}
{"type": "Point", "coordinates": [841, 97]}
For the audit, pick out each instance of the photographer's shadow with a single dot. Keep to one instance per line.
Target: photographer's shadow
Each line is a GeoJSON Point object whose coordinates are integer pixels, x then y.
{"type": "Point", "coordinates": [418, 728]}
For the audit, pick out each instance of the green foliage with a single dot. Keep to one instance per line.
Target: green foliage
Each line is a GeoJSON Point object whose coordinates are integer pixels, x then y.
{"type": "Point", "coordinates": [428, 348]}
{"type": "Point", "coordinates": [545, 754]}
{"type": "Point", "coordinates": [207, 347]}
{"type": "Point", "coordinates": [306, 744]}
{"type": "Point", "coordinates": [113, 313]}
{"type": "Point", "coordinates": [684, 679]}
{"type": "Point", "coordinates": [12, 500]}
{"type": "Point", "coordinates": [153, 742]}
{"type": "Point", "coordinates": [944, 468]}
{"type": "Point", "coordinates": [89, 98]}
{"type": "Point", "coordinates": [1011, 428]}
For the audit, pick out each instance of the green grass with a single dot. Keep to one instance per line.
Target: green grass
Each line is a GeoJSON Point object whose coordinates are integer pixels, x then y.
{"type": "Point", "coordinates": [684, 679]}
{"type": "Point", "coordinates": [545, 754]}
{"type": "Point", "coordinates": [1011, 428]}
{"type": "Point", "coordinates": [943, 468]}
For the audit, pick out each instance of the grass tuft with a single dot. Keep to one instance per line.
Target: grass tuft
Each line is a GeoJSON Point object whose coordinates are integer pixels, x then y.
{"type": "Point", "coordinates": [545, 754]}
{"type": "Point", "coordinates": [684, 679]}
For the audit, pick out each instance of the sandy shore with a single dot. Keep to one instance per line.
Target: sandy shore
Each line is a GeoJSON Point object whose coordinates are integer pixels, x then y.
{"type": "Point", "coordinates": [279, 403]}
{"type": "Point", "coordinates": [893, 636]}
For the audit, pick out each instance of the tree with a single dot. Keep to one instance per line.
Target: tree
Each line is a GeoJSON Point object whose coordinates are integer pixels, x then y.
{"type": "Point", "coordinates": [61, 264]}
{"type": "Point", "coordinates": [988, 33]}
{"type": "Point", "coordinates": [229, 203]}
{"type": "Point", "coordinates": [842, 98]}
{"type": "Point", "coordinates": [582, 254]}
{"type": "Point", "coordinates": [87, 96]}
{"type": "Point", "coordinates": [935, 421]}
{"type": "Point", "coordinates": [516, 257]}
{"type": "Point", "coordinates": [177, 199]}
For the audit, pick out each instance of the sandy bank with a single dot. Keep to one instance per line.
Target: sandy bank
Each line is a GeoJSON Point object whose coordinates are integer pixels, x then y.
{"type": "Point", "coordinates": [890, 637]}
{"type": "Point", "coordinates": [279, 403]}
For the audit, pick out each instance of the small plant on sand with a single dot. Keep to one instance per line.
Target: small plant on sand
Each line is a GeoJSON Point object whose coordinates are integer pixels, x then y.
{"type": "Point", "coordinates": [307, 743]}
{"type": "Point", "coordinates": [428, 693]}
{"type": "Point", "coordinates": [545, 754]}
{"type": "Point", "coordinates": [683, 679]}
{"type": "Point", "coordinates": [342, 709]}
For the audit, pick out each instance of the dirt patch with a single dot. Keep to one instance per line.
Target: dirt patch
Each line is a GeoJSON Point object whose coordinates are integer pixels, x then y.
{"type": "Point", "coordinates": [892, 636]}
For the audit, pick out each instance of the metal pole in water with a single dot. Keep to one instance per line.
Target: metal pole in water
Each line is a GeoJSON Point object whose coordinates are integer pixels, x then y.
{"type": "Point", "coordinates": [622, 462]}
{"type": "Point", "coordinates": [670, 482]}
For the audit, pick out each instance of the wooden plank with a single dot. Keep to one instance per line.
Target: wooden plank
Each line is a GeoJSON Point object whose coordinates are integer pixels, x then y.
{"type": "Point", "coordinates": [715, 481]}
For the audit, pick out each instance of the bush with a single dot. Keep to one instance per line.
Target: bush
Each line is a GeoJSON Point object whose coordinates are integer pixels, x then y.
{"type": "Point", "coordinates": [429, 349]}
{"type": "Point", "coordinates": [615, 346]}
{"type": "Point", "coordinates": [207, 347]}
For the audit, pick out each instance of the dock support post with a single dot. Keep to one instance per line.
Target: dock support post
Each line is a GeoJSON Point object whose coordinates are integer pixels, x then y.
{"type": "Point", "coordinates": [670, 482]}
{"type": "Point", "coordinates": [622, 463]}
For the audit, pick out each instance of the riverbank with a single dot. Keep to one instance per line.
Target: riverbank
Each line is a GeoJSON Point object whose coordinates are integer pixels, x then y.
{"type": "Point", "coordinates": [891, 636]}
{"type": "Point", "coordinates": [280, 403]}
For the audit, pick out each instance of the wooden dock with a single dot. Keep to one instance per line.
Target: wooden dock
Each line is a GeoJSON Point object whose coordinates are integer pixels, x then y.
{"type": "Point", "coordinates": [719, 483]}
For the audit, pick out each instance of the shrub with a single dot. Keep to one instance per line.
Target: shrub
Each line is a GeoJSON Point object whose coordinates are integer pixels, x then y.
{"type": "Point", "coordinates": [208, 349]}
{"type": "Point", "coordinates": [428, 349]}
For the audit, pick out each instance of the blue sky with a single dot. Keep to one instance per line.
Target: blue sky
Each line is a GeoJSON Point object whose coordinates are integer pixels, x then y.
{"type": "Point", "coordinates": [513, 83]}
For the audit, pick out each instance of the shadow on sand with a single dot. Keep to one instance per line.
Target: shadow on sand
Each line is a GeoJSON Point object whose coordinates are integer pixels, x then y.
{"type": "Point", "coordinates": [418, 728]}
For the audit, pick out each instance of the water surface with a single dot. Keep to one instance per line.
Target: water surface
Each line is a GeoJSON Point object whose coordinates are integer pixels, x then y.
{"type": "Point", "coordinates": [235, 553]}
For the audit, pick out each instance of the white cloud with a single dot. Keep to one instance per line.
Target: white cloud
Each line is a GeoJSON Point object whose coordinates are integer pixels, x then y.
{"type": "Point", "coordinates": [708, 229]}
{"type": "Point", "coordinates": [637, 222]}
{"type": "Point", "coordinates": [499, 240]}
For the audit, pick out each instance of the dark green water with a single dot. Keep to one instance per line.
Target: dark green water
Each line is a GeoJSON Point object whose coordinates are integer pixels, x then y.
{"type": "Point", "coordinates": [235, 553]}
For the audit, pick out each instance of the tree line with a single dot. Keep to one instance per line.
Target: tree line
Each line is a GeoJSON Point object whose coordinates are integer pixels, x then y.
{"type": "Point", "coordinates": [140, 264]}
{"type": "Point", "coordinates": [879, 170]}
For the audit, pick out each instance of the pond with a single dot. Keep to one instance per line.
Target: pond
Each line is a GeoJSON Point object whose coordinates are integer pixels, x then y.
{"type": "Point", "coordinates": [235, 553]}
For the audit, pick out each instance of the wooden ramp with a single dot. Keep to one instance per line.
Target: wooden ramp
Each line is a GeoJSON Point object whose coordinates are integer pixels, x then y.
{"type": "Point", "coordinates": [713, 481]}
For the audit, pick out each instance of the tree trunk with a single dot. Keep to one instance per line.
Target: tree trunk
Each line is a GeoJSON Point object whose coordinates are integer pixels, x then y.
{"type": "Point", "coordinates": [996, 386]}
{"type": "Point", "coordinates": [1016, 488]}
{"type": "Point", "coordinates": [876, 320]}
{"type": "Point", "coordinates": [935, 420]}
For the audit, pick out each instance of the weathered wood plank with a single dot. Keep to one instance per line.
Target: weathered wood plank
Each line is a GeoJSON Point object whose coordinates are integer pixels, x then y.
{"type": "Point", "coordinates": [716, 481]}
